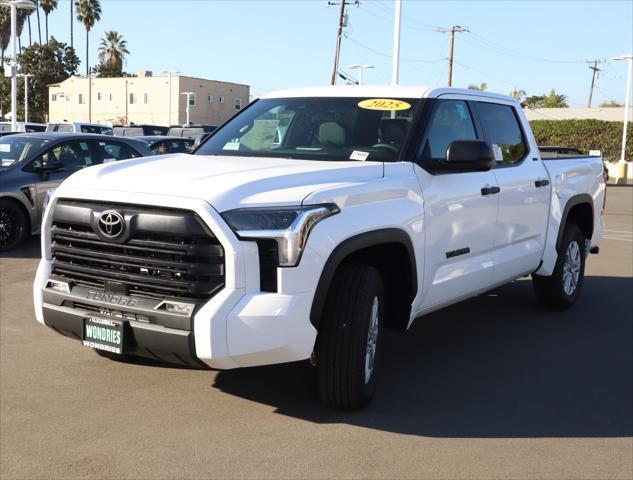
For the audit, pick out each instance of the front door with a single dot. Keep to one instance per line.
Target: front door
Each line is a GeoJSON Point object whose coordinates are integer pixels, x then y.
{"type": "Point", "coordinates": [459, 216]}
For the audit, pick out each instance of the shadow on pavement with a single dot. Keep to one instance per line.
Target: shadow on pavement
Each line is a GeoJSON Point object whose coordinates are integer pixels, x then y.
{"type": "Point", "coordinates": [29, 249]}
{"type": "Point", "coordinates": [494, 366]}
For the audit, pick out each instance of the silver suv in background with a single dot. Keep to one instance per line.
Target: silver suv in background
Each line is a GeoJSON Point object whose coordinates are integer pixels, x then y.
{"type": "Point", "coordinates": [79, 127]}
{"type": "Point", "coordinates": [23, 127]}
{"type": "Point", "coordinates": [31, 164]}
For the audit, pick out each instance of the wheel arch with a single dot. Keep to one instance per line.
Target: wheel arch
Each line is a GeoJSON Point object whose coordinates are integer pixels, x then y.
{"type": "Point", "coordinates": [400, 290]}
{"type": "Point", "coordinates": [25, 210]}
{"type": "Point", "coordinates": [579, 211]}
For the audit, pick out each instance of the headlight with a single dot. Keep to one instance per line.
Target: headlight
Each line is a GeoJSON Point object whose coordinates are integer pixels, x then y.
{"type": "Point", "coordinates": [288, 226]}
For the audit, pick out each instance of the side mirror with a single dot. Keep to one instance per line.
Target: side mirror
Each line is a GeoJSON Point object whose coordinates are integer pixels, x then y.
{"type": "Point", "coordinates": [469, 156]}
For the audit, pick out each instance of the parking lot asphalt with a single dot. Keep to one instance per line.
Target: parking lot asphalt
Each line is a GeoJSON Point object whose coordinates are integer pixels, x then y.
{"type": "Point", "coordinates": [494, 387]}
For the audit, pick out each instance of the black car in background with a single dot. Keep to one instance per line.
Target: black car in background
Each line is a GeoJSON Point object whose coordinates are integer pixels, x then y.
{"type": "Point", "coordinates": [140, 130]}
{"type": "Point", "coordinates": [163, 145]}
{"type": "Point", "coordinates": [32, 164]}
{"type": "Point", "coordinates": [190, 131]}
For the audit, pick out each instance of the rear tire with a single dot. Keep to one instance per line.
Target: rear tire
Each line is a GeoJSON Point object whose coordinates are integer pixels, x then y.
{"type": "Point", "coordinates": [560, 290]}
{"type": "Point", "coordinates": [13, 225]}
{"type": "Point", "coordinates": [348, 347]}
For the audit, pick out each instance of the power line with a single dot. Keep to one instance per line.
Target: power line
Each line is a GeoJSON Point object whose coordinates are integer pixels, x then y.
{"type": "Point", "coordinates": [387, 55]}
{"type": "Point", "coordinates": [452, 30]}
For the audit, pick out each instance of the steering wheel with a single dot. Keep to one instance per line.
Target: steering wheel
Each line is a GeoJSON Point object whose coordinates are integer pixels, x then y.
{"type": "Point", "coordinates": [385, 145]}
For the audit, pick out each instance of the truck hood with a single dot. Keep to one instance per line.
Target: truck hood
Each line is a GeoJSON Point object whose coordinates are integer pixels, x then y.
{"type": "Point", "coordinates": [225, 182]}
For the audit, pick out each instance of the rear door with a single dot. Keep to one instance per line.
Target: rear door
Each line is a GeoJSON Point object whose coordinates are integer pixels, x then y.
{"type": "Point", "coordinates": [459, 218]}
{"type": "Point", "coordinates": [525, 191]}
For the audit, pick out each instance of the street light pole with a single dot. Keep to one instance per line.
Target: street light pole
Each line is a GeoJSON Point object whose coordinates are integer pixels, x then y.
{"type": "Point", "coordinates": [626, 103]}
{"type": "Point", "coordinates": [170, 73]}
{"type": "Point", "coordinates": [360, 70]}
{"type": "Point", "coordinates": [395, 59]}
{"type": "Point", "coordinates": [14, 5]}
{"type": "Point", "coordinates": [26, 94]}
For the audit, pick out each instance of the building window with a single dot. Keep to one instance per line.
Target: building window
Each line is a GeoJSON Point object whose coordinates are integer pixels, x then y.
{"type": "Point", "coordinates": [99, 96]}
{"type": "Point", "coordinates": [82, 99]}
{"type": "Point", "coordinates": [110, 97]}
{"type": "Point", "coordinates": [210, 98]}
{"type": "Point", "coordinates": [54, 97]}
{"type": "Point", "coordinates": [192, 99]}
{"type": "Point", "coordinates": [132, 98]}
{"type": "Point", "coordinates": [221, 97]}
{"type": "Point", "coordinates": [238, 103]}
{"type": "Point", "coordinates": [146, 98]}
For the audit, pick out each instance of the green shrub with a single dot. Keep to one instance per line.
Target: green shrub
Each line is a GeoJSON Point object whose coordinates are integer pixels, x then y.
{"type": "Point", "coordinates": [585, 135]}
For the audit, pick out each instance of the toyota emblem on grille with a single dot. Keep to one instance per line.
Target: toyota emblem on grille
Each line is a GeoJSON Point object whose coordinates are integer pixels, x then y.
{"type": "Point", "coordinates": [111, 224]}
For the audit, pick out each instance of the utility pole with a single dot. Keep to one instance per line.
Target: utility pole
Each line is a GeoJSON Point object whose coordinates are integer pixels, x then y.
{"type": "Point", "coordinates": [452, 30]}
{"type": "Point", "coordinates": [339, 34]}
{"type": "Point", "coordinates": [594, 76]}
{"type": "Point", "coordinates": [26, 94]}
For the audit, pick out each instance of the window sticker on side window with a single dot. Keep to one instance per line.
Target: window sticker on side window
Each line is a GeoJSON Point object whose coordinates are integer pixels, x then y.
{"type": "Point", "coordinates": [461, 110]}
{"type": "Point", "coordinates": [498, 152]}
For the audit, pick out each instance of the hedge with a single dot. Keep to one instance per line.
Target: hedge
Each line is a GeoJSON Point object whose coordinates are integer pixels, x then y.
{"type": "Point", "coordinates": [585, 135]}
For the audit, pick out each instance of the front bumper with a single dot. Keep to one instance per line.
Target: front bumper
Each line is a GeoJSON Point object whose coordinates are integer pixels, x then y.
{"type": "Point", "coordinates": [238, 327]}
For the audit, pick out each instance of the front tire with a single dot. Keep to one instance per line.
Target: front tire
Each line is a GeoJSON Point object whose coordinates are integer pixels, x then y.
{"type": "Point", "coordinates": [348, 346]}
{"type": "Point", "coordinates": [13, 225]}
{"type": "Point", "coordinates": [560, 290]}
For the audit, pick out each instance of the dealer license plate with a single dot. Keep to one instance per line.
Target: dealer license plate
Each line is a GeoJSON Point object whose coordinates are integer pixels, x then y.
{"type": "Point", "coordinates": [103, 334]}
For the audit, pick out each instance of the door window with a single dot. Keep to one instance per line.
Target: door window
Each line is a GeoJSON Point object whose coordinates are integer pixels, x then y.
{"type": "Point", "coordinates": [72, 155]}
{"type": "Point", "coordinates": [503, 132]}
{"type": "Point", "coordinates": [112, 151]}
{"type": "Point", "coordinates": [451, 121]}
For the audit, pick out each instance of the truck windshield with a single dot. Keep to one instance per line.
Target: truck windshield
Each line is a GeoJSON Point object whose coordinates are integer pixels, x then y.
{"type": "Point", "coordinates": [16, 148]}
{"type": "Point", "coordinates": [333, 128]}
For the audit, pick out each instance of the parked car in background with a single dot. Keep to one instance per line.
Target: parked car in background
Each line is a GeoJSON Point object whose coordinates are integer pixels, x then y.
{"type": "Point", "coordinates": [190, 131]}
{"type": "Point", "coordinates": [201, 137]}
{"type": "Point", "coordinates": [31, 164]}
{"type": "Point", "coordinates": [139, 130]}
{"type": "Point", "coordinates": [79, 127]}
{"type": "Point", "coordinates": [23, 127]}
{"type": "Point", "coordinates": [163, 145]}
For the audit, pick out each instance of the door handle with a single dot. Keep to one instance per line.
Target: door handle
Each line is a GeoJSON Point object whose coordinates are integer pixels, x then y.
{"type": "Point", "coordinates": [490, 190]}
{"type": "Point", "coordinates": [541, 183]}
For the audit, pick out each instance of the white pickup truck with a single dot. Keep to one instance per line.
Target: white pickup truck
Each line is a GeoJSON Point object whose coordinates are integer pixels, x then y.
{"type": "Point", "coordinates": [310, 221]}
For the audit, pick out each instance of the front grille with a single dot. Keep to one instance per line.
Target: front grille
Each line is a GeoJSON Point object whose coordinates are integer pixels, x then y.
{"type": "Point", "coordinates": [166, 253]}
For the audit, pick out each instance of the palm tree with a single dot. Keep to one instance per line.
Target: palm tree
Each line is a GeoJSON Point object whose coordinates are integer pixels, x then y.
{"type": "Point", "coordinates": [5, 31]}
{"type": "Point", "coordinates": [113, 50]}
{"type": "Point", "coordinates": [88, 13]}
{"type": "Point", "coordinates": [72, 20]}
{"type": "Point", "coordinates": [517, 94]}
{"type": "Point", "coordinates": [555, 100]}
{"type": "Point", "coordinates": [48, 6]}
{"type": "Point", "coordinates": [39, 24]}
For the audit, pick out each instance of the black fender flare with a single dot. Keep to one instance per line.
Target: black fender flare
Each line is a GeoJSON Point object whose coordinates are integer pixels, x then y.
{"type": "Point", "coordinates": [355, 244]}
{"type": "Point", "coordinates": [571, 203]}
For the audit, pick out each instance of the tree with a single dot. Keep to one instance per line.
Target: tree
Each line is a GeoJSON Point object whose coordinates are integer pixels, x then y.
{"type": "Point", "coordinates": [5, 31]}
{"type": "Point", "coordinates": [555, 100]}
{"type": "Point", "coordinates": [39, 24]}
{"type": "Point", "coordinates": [50, 63]}
{"type": "Point", "coordinates": [48, 6]}
{"type": "Point", "coordinates": [72, 20]}
{"type": "Point", "coordinates": [482, 87]}
{"type": "Point", "coordinates": [611, 104]}
{"type": "Point", "coordinates": [88, 13]}
{"type": "Point", "coordinates": [113, 50]}
{"type": "Point", "coordinates": [517, 94]}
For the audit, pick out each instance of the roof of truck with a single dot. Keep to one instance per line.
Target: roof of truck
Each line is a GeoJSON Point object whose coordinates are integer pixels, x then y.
{"type": "Point", "coordinates": [379, 91]}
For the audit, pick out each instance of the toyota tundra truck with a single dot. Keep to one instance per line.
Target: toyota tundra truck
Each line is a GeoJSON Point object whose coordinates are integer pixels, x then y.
{"type": "Point", "coordinates": [307, 224]}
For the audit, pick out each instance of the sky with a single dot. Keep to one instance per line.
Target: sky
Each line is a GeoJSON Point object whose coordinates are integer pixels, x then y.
{"type": "Point", "coordinates": [532, 46]}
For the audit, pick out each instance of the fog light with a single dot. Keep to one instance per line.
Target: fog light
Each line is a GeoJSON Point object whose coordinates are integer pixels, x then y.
{"type": "Point", "coordinates": [59, 286]}
{"type": "Point", "coordinates": [177, 308]}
